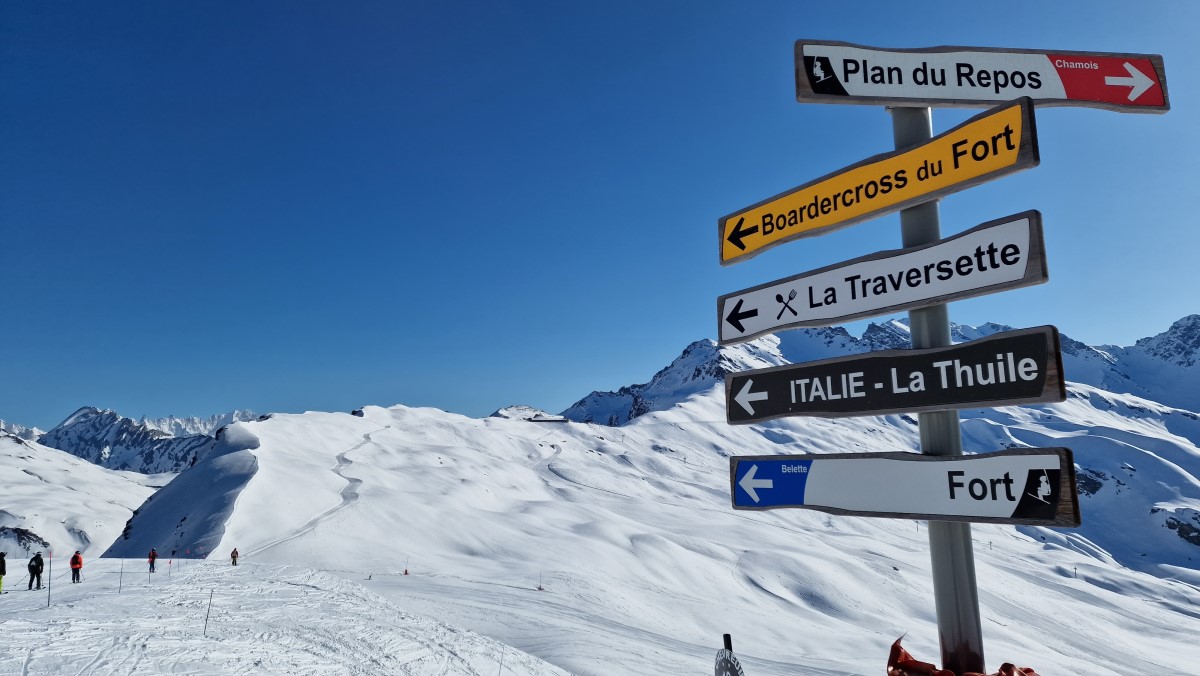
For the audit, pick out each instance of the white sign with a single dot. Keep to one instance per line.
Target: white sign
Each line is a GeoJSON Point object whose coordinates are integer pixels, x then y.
{"type": "Point", "coordinates": [836, 72]}
{"type": "Point", "coordinates": [998, 255]}
{"type": "Point", "coordinates": [1030, 485]}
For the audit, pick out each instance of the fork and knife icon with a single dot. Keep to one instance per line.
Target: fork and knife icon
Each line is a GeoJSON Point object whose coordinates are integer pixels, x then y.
{"type": "Point", "coordinates": [786, 304]}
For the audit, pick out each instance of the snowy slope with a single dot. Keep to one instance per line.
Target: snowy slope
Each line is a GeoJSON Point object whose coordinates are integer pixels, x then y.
{"type": "Point", "coordinates": [55, 502]}
{"type": "Point", "coordinates": [644, 563]}
{"type": "Point", "coordinates": [263, 620]}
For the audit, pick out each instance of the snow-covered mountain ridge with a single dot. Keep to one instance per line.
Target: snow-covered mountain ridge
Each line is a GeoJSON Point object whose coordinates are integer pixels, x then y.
{"type": "Point", "coordinates": [194, 425]}
{"type": "Point", "coordinates": [110, 440]}
{"type": "Point", "coordinates": [1161, 368]}
{"type": "Point", "coordinates": [20, 431]}
{"type": "Point", "coordinates": [631, 527]}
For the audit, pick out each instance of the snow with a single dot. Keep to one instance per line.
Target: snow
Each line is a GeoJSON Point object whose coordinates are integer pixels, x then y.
{"type": "Point", "coordinates": [264, 619]}
{"type": "Point", "coordinates": [414, 541]}
{"type": "Point", "coordinates": [644, 564]}
{"type": "Point", "coordinates": [63, 500]}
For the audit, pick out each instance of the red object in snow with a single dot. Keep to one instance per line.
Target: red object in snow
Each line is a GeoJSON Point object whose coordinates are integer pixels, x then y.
{"type": "Point", "coordinates": [901, 663]}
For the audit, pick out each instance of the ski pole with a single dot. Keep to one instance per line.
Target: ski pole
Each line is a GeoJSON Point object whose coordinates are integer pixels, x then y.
{"type": "Point", "coordinates": [210, 595]}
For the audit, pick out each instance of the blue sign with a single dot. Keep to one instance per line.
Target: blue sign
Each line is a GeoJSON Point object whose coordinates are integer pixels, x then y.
{"type": "Point", "coordinates": [771, 483]}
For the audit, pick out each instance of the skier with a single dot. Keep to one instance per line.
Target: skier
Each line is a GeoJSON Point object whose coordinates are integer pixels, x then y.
{"type": "Point", "coordinates": [3, 570]}
{"type": "Point", "coordinates": [35, 570]}
{"type": "Point", "coordinates": [153, 555]}
{"type": "Point", "coordinates": [76, 566]}
{"type": "Point", "coordinates": [233, 555]}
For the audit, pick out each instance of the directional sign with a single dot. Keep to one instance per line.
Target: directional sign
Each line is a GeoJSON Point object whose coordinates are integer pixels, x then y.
{"type": "Point", "coordinates": [727, 665]}
{"type": "Point", "coordinates": [1033, 486]}
{"type": "Point", "coordinates": [998, 255]}
{"type": "Point", "coordinates": [839, 72]}
{"type": "Point", "coordinates": [1015, 367]}
{"type": "Point", "coordinates": [992, 144]}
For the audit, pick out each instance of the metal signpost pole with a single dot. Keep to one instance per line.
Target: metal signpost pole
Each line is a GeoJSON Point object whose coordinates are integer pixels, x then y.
{"type": "Point", "coordinates": [952, 559]}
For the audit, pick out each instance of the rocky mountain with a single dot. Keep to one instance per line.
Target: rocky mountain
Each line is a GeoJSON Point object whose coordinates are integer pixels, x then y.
{"type": "Point", "coordinates": [20, 431]}
{"type": "Point", "coordinates": [1164, 367]}
{"type": "Point", "coordinates": [1161, 368]}
{"type": "Point", "coordinates": [110, 440]}
{"type": "Point", "coordinates": [193, 425]}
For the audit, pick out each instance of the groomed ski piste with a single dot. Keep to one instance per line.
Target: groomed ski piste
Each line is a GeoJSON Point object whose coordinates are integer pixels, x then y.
{"type": "Point", "coordinates": [205, 617]}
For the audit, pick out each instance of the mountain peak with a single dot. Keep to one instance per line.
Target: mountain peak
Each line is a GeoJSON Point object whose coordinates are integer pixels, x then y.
{"type": "Point", "coordinates": [1178, 345]}
{"type": "Point", "coordinates": [110, 440]}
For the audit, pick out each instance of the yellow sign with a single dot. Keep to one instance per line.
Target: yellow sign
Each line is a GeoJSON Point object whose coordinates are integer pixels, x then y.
{"type": "Point", "coordinates": [998, 142]}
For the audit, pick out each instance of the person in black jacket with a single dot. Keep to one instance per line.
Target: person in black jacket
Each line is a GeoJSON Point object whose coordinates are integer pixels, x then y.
{"type": "Point", "coordinates": [35, 570]}
{"type": "Point", "coordinates": [3, 570]}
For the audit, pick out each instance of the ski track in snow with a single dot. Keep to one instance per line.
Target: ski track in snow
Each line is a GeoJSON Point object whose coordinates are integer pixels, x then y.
{"type": "Point", "coordinates": [265, 619]}
{"type": "Point", "coordinates": [349, 494]}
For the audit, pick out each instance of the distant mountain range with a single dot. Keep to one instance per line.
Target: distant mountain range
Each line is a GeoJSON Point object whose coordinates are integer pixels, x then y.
{"type": "Point", "coordinates": [20, 431]}
{"type": "Point", "coordinates": [110, 440]}
{"type": "Point", "coordinates": [1164, 368]}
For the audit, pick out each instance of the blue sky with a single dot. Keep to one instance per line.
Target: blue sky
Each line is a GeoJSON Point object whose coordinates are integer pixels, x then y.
{"type": "Point", "coordinates": [314, 206]}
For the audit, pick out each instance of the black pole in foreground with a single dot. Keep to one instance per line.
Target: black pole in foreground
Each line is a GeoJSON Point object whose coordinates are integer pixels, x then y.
{"type": "Point", "coordinates": [951, 555]}
{"type": "Point", "coordinates": [49, 578]}
{"type": "Point", "coordinates": [728, 642]}
{"type": "Point", "coordinates": [210, 595]}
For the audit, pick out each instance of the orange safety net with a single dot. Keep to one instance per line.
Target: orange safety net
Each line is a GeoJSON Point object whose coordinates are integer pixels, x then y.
{"type": "Point", "coordinates": [901, 663]}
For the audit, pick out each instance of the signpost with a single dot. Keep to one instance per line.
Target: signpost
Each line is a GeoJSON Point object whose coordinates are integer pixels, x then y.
{"type": "Point", "coordinates": [995, 143]}
{"type": "Point", "coordinates": [1016, 486]}
{"type": "Point", "coordinates": [839, 72]}
{"type": "Point", "coordinates": [1015, 367]}
{"type": "Point", "coordinates": [1002, 254]}
{"type": "Point", "coordinates": [935, 378]}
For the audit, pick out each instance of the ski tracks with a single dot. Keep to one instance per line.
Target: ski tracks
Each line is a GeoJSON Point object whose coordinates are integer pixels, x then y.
{"type": "Point", "coordinates": [265, 619]}
{"type": "Point", "coordinates": [348, 494]}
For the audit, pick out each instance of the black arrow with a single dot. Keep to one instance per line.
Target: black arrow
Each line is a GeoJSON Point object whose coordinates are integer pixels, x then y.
{"type": "Point", "coordinates": [736, 316]}
{"type": "Point", "coordinates": [735, 237]}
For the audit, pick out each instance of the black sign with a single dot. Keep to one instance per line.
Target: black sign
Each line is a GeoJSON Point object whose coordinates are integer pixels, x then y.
{"type": "Point", "coordinates": [1016, 367]}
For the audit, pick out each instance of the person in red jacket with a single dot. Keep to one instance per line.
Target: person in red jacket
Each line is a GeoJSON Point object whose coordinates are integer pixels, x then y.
{"type": "Point", "coordinates": [76, 566]}
{"type": "Point", "coordinates": [233, 555]}
{"type": "Point", "coordinates": [153, 555]}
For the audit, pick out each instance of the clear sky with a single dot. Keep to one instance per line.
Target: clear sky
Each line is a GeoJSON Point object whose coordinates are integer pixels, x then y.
{"type": "Point", "coordinates": [291, 206]}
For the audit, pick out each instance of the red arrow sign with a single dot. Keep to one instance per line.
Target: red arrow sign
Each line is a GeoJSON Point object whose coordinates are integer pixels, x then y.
{"type": "Point", "coordinates": [1129, 81]}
